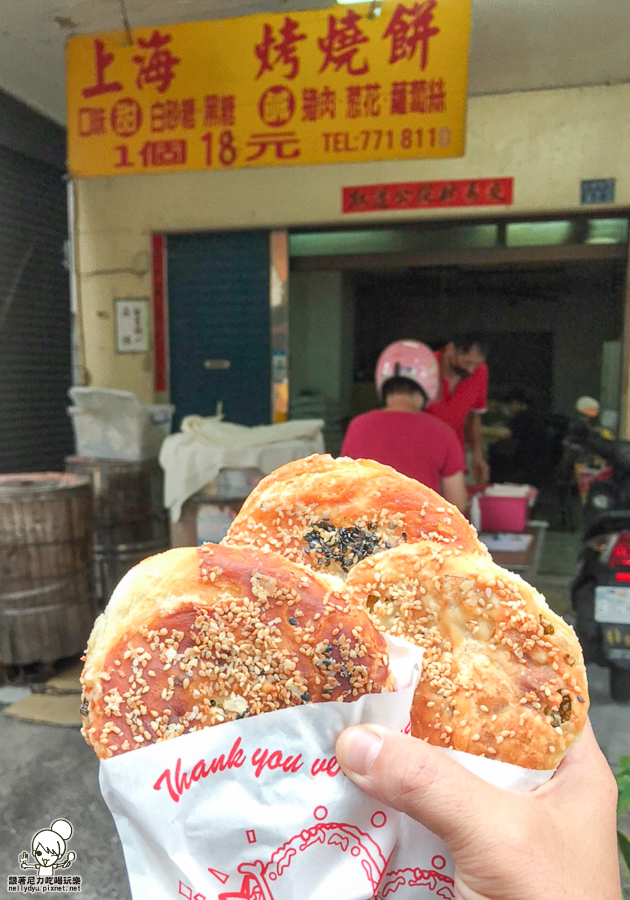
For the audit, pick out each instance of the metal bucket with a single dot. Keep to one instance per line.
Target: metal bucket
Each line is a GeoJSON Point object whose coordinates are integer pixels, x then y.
{"type": "Point", "coordinates": [130, 522]}
{"type": "Point", "coordinates": [208, 514]}
{"type": "Point", "coordinates": [47, 605]}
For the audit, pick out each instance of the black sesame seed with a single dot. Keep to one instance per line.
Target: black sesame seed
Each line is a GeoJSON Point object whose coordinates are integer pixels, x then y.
{"type": "Point", "coordinates": [213, 703]}
{"type": "Point", "coordinates": [306, 697]}
{"type": "Point", "coordinates": [344, 546]}
{"type": "Point", "coordinates": [581, 698]}
{"type": "Point", "coordinates": [292, 620]}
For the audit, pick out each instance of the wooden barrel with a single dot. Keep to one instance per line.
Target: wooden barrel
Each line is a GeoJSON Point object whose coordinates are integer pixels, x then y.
{"type": "Point", "coordinates": [130, 522]}
{"type": "Point", "coordinates": [47, 606]}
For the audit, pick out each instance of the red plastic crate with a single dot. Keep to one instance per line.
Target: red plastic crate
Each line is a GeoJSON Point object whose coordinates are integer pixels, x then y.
{"type": "Point", "coordinates": [504, 514]}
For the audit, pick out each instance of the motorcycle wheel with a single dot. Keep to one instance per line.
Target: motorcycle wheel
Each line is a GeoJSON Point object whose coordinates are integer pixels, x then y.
{"type": "Point", "coordinates": [620, 684]}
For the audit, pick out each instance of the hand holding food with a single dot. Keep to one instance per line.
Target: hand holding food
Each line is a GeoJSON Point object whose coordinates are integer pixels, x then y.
{"type": "Point", "coordinates": [556, 841]}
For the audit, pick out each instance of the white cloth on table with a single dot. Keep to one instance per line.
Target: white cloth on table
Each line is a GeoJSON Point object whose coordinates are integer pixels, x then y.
{"type": "Point", "coordinates": [204, 446]}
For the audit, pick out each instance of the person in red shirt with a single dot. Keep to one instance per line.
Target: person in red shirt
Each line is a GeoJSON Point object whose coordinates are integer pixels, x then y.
{"type": "Point", "coordinates": [402, 435]}
{"type": "Point", "coordinates": [464, 396]}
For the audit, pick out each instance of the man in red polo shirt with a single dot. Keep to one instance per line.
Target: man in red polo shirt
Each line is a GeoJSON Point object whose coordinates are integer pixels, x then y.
{"type": "Point", "coordinates": [464, 396]}
{"type": "Point", "coordinates": [403, 436]}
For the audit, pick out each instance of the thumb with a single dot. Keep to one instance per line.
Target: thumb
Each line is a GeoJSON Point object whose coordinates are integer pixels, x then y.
{"type": "Point", "coordinates": [426, 784]}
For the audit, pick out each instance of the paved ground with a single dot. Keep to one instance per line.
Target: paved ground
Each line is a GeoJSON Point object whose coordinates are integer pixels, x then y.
{"type": "Point", "coordinates": [557, 569]}
{"type": "Point", "coordinates": [48, 773]}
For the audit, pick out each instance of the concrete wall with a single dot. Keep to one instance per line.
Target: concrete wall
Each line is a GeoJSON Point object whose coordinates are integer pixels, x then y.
{"type": "Point", "coordinates": [547, 140]}
{"type": "Point", "coordinates": [24, 131]}
{"type": "Point", "coordinates": [321, 324]}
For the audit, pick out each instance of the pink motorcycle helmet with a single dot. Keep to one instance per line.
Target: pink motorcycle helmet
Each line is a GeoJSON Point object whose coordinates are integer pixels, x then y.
{"type": "Point", "coordinates": [412, 360]}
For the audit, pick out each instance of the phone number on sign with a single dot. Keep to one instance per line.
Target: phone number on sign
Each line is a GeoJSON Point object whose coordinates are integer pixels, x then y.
{"type": "Point", "coordinates": [385, 139]}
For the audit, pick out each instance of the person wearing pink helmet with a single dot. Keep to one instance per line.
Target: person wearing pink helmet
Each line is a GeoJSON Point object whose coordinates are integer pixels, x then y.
{"type": "Point", "coordinates": [402, 435]}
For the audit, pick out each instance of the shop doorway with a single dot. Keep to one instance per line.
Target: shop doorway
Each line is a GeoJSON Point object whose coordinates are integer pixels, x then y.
{"type": "Point", "coordinates": [546, 326]}
{"type": "Point", "coordinates": [547, 298]}
{"type": "Point", "coordinates": [546, 295]}
{"type": "Point", "coordinates": [219, 325]}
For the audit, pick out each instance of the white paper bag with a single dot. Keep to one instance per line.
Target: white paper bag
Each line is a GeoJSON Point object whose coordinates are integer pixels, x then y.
{"type": "Point", "coordinates": [258, 809]}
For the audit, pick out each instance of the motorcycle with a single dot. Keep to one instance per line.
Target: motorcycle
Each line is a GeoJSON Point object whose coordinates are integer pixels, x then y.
{"type": "Point", "coordinates": [600, 594]}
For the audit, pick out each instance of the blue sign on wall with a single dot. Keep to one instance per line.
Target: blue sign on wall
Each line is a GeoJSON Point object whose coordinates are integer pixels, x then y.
{"type": "Point", "coordinates": [598, 190]}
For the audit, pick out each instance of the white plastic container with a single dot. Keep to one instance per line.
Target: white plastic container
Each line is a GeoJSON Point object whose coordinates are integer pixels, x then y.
{"type": "Point", "coordinates": [110, 424]}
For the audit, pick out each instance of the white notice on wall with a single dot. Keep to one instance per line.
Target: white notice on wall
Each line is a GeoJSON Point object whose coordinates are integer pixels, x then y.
{"type": "Point", "coordinates": [132, 324]}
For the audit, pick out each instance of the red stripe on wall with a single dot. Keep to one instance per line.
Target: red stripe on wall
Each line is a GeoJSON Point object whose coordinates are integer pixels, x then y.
{"type": "Point", "coordinates": [159, 313]}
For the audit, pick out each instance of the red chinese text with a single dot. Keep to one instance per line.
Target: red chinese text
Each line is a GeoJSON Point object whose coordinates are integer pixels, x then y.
{"type": "Point", "coordinates": [317, 104]}
{"type": "Point", "coordinates": [342, 43]}
{"type": "Point", "coordinates": [167, 115]}
{"type": "Point", "coordinates": [91, 121]}
{"type": "Point", "coordinates": [282, 51]}
{"type": "Point", "coordinates": [157, 67]}
{"type": "Point", "coordinates": [363, 100]}
{"type": "Point", "coordinates": [220, 110]}
{"type": "Point", "coordinates": [410, 30]}
{"type": "Point", "coordinates": [283, 145]}
{"type": "Point", "coordinates": [429, 194]}
{"type": "Point", "coordinates": [163, 153]}
{"type": "Point", "coordinates": [276, 106]}
{"type": "Point", "coordinates": [418, 97]}
{"type": "Point", "coordinates": [102, 61]}
{"type": "Point", "coordinates": [126, 117]}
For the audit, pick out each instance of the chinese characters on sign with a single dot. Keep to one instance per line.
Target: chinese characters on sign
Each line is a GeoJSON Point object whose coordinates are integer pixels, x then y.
{"type": "Point", "coordinates": [428, 195]}
{"type": "Point", "coordinates": [307, 88]}
{"type": "Point", "coordinates": [132, 325]}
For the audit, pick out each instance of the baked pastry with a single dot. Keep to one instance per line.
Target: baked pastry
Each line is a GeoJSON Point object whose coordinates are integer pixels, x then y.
{"type": "Point", "coordinates": [195, 637]}
{"type": "Point", "coordinates": [503, 676]}
{"type": "Point", "coordinates": [331, 513]}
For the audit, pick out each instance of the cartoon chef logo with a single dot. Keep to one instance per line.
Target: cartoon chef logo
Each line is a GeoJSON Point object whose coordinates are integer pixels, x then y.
{"type": "Point", "coordinates": [49, 848]}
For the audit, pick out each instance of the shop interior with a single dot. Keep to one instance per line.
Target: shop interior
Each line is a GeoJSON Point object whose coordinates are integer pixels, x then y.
{"type": "Point", "coordinates": [546, 296]}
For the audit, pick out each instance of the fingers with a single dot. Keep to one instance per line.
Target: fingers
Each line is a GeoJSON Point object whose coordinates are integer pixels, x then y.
{"type": "Point", "coordinates": [419, 780]}
{"type": "Point", "coordinates": [584, 771]}
{"type": "Point", "coordinates": [583, 764]}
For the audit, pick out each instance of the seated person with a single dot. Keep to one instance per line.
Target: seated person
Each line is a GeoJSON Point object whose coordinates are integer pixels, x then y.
{"type": "Point", "coordinates": [402, 435]}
